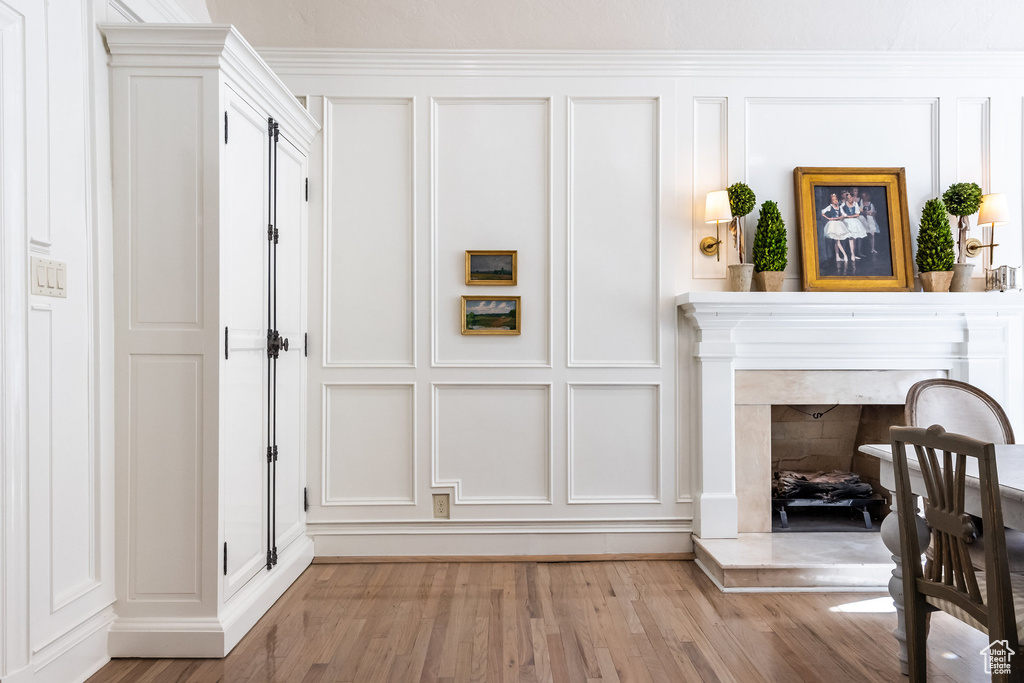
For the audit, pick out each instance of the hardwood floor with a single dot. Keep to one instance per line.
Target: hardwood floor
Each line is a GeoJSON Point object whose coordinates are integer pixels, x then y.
{"type": "Point", "coordinates": [649, 622]}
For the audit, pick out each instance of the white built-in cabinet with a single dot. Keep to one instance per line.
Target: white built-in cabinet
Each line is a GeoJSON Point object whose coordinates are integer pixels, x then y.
{"type": "Point", "coordinates": [210, 196]}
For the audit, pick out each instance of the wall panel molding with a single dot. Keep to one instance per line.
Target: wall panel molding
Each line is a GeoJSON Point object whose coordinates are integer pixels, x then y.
{"type": "Point", "coordinates": [374, 200]}
{"type": "Point", "coordinates": [519, 216]}
{"type": "Point", "coordinates": [932, 103]}
{"type": "Point", "coordinates": [617, 269]}
{"type": "Point", "coordinates": [373, 444]}
{"type": "Point", "coordinates": [604, 433]}
{"type": "Point", "coordinates": [710, 172]}
{"type": "Point", "coordinates": [485, 453]}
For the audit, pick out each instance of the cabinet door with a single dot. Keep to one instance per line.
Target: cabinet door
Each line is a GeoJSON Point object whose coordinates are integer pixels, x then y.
{"type": "Point", "coordinates": [291, 323]}
{"type": "Point", "coordinates": [243, 400]}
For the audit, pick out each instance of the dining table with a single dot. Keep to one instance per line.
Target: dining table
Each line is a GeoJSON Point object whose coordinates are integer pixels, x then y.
{"type": "Point", "coordinates": [1010, 472]}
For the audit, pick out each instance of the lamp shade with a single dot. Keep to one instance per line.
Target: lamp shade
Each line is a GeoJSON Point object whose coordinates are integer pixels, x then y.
{"type": "Point", "coordinates": [716, 207]}
{"type": "Point", "coordinates": [994, 210]}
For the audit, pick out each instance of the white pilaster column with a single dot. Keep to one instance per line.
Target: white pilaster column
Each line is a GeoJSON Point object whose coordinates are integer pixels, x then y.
{"type": "Point", "coordinates": [715, 513]}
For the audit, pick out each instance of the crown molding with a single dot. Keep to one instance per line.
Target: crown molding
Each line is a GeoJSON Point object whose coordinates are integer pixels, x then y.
{"type": "Point", "coordinates": [208, 46]}
{"type": "Point", "coordinates": [633, 63]}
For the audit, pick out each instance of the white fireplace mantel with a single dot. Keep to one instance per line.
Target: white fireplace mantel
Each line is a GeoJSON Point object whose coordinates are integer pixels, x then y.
{"type": "Point", "coordinates": [976, 337]}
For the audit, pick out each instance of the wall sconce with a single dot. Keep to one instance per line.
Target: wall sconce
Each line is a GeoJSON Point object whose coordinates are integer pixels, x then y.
{"type": "Point", "coordinates": [994, 211]}
{"type": "Point", "coordinates": [716, 210]}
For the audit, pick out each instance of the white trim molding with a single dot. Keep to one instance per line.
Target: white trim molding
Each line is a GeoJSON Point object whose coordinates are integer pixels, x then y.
{"type": "Point", "coordinates": [638, 63]}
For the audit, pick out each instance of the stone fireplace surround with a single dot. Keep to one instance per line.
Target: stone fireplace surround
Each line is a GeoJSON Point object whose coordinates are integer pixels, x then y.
{"type": "Point", "coordinates": [744, 351]}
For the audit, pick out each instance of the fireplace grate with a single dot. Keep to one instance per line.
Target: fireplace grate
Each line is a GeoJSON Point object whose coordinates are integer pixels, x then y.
{"type": "Point", "coordinates": [866, 506]}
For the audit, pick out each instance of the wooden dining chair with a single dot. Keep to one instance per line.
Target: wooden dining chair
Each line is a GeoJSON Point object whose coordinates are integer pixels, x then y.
{"type": "Point", "coordinates": [988, 600]}
{"type": "Point", "coordinates": [959, 407]}
{"type": "Point", "coordinates": [965, 409]}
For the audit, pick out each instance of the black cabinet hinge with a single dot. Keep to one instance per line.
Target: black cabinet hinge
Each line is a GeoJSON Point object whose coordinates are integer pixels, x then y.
{"type": "Point", "coordinates": [270, 454]}
{"type": "Point", "coordinates": [273, 555]}
{"type": "Point", "coordinates": [307, 189]}
{"type": "Point", "coordinates": [225, 558]}
{"type": "Point", "coordinates": [272, 233]}
{"type": "Point", "coordinates": [270, 558]}
{"type": "Point", "coordinates": [305, 344]}
{"type": "Point", "coordinates": [305, 499]}
{"type": "Point", "coordinates": [225, 127]}
{"type": "Point", "coordinates": [225, 343]}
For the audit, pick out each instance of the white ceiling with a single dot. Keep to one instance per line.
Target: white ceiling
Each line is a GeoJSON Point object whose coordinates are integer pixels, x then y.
{"type": "Point", "coordinates": [629, 24]}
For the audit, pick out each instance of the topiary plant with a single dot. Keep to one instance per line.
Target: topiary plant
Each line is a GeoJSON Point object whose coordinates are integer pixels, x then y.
{"type": "Point", "coordinates": [934, 239]}
{"type": "Point", "coordinates": [770, 250]}
{"type": "Point", "coordinates": [741, 202]}
{"type": "Point", "coordinates": [962, 200]}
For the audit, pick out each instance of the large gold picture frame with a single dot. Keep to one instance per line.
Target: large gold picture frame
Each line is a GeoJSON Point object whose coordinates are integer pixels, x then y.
{"type": "Point", "coordinates": [491, 315]}
{"type": "Point", "coordinates": [861, 245]}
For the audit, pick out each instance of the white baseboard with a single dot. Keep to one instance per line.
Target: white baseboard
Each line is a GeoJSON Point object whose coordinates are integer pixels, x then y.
{"type": "Point", "coordinates": [586, 537]}
{"type": "Point", "coordinates": [212, 636]}
{"type": "Point", "coordinates": [73, 657]}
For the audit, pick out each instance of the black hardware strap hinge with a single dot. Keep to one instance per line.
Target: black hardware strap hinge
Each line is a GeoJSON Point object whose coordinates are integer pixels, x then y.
{"type": "Point", "coordinates": [225, 343]}
{"type": "Point", "coordinates": [273, 555]}
{"type": "Point", "coordinates": [270, 559]}
{"type": "Point", "coordinates": [275, 344]}
{"type": "Point", "coordinates": [271, 125]}
{"type": "Point", "coordinates": [225, 127]}
{"type": "Point", "coordinates": [225, 558]}
{"type": "Point", "coordinates": [305, 499]}
{"type": "Point", "coordinates": [275, 452]}
{"type": "Point", "coordinates": [270, 454]}
{"type": "Point", "coordinates": [272, 233]}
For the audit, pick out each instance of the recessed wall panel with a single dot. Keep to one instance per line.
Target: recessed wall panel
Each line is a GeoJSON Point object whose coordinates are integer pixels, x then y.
{"type": "Point", "coordinates": [492, 442]}
{"type": "Point", "coordinates": [783, 133]}
{"type": "Point", "coordinates": [369, 444]}
{"type": "Point", "coordinates": [710, 173]}
{"type": "Point", "coordinates": [370, 233]}
{"type": "Point", "coordinates": [491, 190]}
{"type": "Point", "coordinates": [614, 443]}
{"type": "Point", "coordinates": [166, 452]}
{"type": "Point", "coordinates": [165, 228]}
{"type": "Point", "coordinates": [613, 232]}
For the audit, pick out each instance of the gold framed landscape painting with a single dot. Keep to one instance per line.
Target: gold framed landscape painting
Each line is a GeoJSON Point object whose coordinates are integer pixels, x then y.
{"type": "Point", "coordinates": [854, 229]}
{"type": "Point", "coordinates": [491, 315]}
{"type": "Point", "coordinates": [491, 267]}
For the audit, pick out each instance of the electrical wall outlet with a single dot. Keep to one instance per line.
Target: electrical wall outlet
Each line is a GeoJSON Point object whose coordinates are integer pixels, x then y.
{"type": "Point", "coordinates": [442, 508]}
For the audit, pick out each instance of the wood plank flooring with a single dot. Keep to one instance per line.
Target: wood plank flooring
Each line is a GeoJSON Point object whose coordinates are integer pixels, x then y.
{"type": "Point", "coordinates": [622, 622]}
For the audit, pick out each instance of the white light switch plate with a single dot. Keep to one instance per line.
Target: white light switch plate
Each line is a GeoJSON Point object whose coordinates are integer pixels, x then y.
{"type": "Point", "coordinates": [49, 278]}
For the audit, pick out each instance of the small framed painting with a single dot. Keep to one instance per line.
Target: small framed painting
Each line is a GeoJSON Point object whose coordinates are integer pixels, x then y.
{"type": "Point", "coordinates": [490, 315]}
{"type": "Point", "coordinates": [491, 267]}
{"type": "Point", "coordinates": [854, 229]}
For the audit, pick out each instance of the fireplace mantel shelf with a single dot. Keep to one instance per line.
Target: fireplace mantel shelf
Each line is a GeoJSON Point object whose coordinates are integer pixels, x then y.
{"type": "Point", "coordinates": [845, 304]}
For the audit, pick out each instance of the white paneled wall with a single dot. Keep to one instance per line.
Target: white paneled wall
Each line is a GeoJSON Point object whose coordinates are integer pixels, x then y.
{"type": "Point", "coordinates": [594, 166]}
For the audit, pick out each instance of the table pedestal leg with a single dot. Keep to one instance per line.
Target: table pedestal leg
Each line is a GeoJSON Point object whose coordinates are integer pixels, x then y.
{"type": "Point", "coordinates": [890, 531]}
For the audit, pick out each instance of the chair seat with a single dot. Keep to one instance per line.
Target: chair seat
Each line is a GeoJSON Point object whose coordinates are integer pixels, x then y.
{"type": "Point", "coordinates": [1014, 551]}
{"type": "Point", "coordinates": [1016, 587]}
